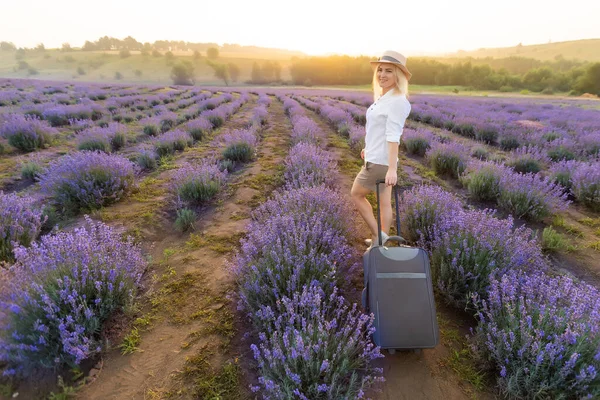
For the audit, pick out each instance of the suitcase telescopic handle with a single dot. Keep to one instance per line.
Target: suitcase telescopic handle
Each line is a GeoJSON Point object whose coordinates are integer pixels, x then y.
{"type": "Point", "coordinates": [398, 238]}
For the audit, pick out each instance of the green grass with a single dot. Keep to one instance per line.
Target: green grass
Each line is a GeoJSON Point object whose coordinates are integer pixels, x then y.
{"type": "Point", "coordinates": [131, 342]}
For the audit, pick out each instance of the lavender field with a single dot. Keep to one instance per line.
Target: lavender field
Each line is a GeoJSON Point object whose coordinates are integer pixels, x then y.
{"type": "Point", "coordinates": [188, 242]}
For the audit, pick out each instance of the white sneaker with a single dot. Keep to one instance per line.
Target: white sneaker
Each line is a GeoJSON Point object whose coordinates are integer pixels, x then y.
{"type": "Point", "coordinates": [374, 243]}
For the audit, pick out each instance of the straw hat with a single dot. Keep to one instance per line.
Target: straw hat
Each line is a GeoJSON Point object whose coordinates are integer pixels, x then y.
{"type": "Point", "coordinates": [393, 57]}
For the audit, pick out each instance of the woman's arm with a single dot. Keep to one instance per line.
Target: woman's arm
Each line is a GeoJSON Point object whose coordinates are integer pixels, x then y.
{"type": "Point", "coordinates": [391, 177]}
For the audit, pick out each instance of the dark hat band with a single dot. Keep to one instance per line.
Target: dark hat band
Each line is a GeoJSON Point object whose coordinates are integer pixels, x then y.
{"type": "Point", "coordinates": [388, 58]}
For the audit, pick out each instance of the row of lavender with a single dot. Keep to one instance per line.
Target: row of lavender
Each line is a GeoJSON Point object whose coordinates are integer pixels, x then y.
{"type": "Point", "coordinates": [311, 343]}
{"type": "Point", "coordinates": [87, 180]}
{"type": "Point", "coordinates": [32, 127]}
{"type": "Point", "coordinates": [516, 185]}
{"type": "Point", "coordinates": [59, 291]}
{"type": "Point", "coordinates": [519, 189]}
{"type": "Point", "coordinates": [561, 142]}
{"type": "Point", "coordinates": [540, 332]}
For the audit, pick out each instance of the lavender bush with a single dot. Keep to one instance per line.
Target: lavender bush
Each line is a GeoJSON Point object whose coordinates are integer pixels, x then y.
{"type": "Point", "coordinates": [586, 184]}
{"type": "Point", "coordinates": [26, 133]}
{"type": "Point", "coordinates": [314, 346]}
{"type": "Point", "coordinates": [198, 128]}
{"type": "Point", "coordinates": [417, 142]}
{"type": "Point", "coordinates": [530, 196]}
{"type": "Point", "coordinates": [448, 158]}
{"type": "Point", "coordinates": [61, 291]}
{"type": "Point", "coordinates": [422, 207]}
{"type": "Point", "coordinates": [468, 247]}
{"type": "Point", "coordinates": [562, 171]}
{"type": "Point", "coordinates": [326, 204]}
{"type": "Point", "coordinates": [282, 254]}
{"type": "Point", "coordinates": [308, 165]}
{"type": "Point", "coordinates": [542, 334]}
{"type": "Point", "coordinates": [482, 179]}
{"type": "Point", "coordinates": [20, 223]}
{"type": "Point", "coordinates": [172, 141]}
{"type": "Point", "coordinates": [195, 184]}
{"type": "Point", "coordinates": [240, 145]}
{"type": "Point", "coordinates": [88, 180]}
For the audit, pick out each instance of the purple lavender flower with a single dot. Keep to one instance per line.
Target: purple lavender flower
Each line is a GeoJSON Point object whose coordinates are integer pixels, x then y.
{"type": "Point", "coordinates": [197, 183]}
{"type": "Point", "coordinates": [308, 165]}
{"type": "Point", "coordinates": [26, 133]}
{"type": "Point", "coordinates": [88, 180]}
{"type": "Point", "coordinates": [315, 346]}
{"type": "Point", "coordinates": [586, 184]}
{"type": "Point", "coordinates": [546, 325]}
{"type": "Point", "coordinates": [59, 293]}
{"type": "Point", "coordinates": [20, 223]}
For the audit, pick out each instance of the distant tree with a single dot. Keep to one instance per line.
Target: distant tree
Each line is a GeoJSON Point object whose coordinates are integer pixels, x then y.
{"type": "Point", "coordinates": [40, 47]}
{"type": "Point", "coordinates": [23, 64]}
{"type": "Point", "coordinates": [156, 53]}
{"type": "Point", "coordinates": [170, 57]}
{"type": "Point", "coordinates": [589, 82]}
{"type": "Point", "coordinates": [80, 71]}
{"type": "Point", "coordinates": [256, 75]}
{"type": "Point", "coordinates": [66, 47]}
{"type": "Point", "coordinates": [221, 71]}
{"type": "Point", "coordinates": [130, 43]}
{"type": "Point", "coordinates": [20, 54]}
{"type": "Point", "coordinates": [183, 73]}
{"type": "Point", "coordinates": [7, 46]}
{"type": "Point", "coordinates": [234, 71]}
{"type": "Point", "coordinates": [118, 76]}
{"type": "Point", "coordinates": [212, 53]}
{"type": "Point", "coordinates": [89, 46]}
{"type": "Point", "coordinates": [137, 73]}
{"type": "Point", "coordinates": [106, 43]}
{"type": "Point", "coordinates": [124, 53]}
{"type": "Point", "coordinates": [196, 55]}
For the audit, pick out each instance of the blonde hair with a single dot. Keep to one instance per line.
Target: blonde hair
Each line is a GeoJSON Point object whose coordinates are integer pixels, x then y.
{"type": "Point", "coordinates": [400, 82]}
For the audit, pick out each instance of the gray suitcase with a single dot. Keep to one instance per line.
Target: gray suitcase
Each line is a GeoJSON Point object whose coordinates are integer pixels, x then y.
{"type": "Point", "coordinates": [399, 292]}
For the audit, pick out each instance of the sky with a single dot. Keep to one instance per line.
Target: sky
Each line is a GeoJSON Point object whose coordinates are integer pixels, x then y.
{"type": "Point", "coordinates": [316, 27]}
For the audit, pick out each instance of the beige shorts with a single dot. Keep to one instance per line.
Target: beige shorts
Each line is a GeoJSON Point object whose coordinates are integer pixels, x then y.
{"type": "Point", "coordinates": [369, 174]}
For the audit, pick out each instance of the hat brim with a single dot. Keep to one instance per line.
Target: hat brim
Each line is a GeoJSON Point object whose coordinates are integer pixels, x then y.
{"type": "Point", "coordinates": [401, 66]}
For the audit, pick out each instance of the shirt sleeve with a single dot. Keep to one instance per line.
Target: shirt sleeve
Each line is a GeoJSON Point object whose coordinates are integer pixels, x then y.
{"type": "Point", "coordinates": [396, 118]}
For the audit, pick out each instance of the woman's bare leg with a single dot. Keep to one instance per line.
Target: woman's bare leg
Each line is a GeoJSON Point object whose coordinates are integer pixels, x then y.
{"type": "Point", "coordinates": [358, 195]}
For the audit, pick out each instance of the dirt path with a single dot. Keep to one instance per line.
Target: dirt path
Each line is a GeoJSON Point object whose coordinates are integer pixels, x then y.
{"type": "Point", "coordinates": [429, 375]}
{"type": "Point", "coordinates": [186, 351]}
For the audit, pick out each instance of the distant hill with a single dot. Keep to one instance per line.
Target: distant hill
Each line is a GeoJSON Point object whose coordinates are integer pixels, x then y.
{"type": "Point", "coordinates": [583, 50]}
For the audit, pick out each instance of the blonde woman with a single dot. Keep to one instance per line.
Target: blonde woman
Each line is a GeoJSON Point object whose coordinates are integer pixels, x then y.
{"type": "Point", "coordinates": [385, 122]}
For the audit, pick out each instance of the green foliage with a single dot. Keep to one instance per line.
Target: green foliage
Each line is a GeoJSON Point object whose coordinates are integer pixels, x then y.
{"type": "Point", "coordinates": [590, 81]}
{"type": "Point", "coordinates": [131, 342]}
{"type": "Point", "coordinates": [185, 219]}
{"type": "Point", "coordinates": [118, 76]}
{"type": "Point", "coordinates": [212, 53]}
{"type": "Point", "coordinates": [483, 184]}
{"type": "Point", "coordinates": [508, 143]}
{"type": "Point", "coordinates": [552, 240]}
{"type": "Point", "coordinates": [416, 145]}
{"type": "Point", "coordinates": [240, 151]}
{"type": "Point", "coordinates": [183, 73]}
{"type": "Point", "coordinates": [481, 153]}
{"type": "Point", "coordinates": [31, 169]}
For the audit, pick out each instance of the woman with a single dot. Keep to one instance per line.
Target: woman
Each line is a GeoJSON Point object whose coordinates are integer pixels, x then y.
{"type": "Point", "coordinates": [385, 122]}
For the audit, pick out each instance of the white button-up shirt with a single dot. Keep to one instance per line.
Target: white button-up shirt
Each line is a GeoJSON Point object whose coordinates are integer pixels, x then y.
{"type": "Point", "coordinates": [385, 123]}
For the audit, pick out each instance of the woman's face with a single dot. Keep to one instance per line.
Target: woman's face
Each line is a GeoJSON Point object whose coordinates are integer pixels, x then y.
{"type": "Point", "coordinates": [386, 76]}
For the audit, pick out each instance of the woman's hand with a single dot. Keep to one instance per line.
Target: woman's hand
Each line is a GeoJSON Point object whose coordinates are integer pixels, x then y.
{"type": "Point", "coordinates": [362, 154]}
{"type": "Point", "coordinates": [391, 178]}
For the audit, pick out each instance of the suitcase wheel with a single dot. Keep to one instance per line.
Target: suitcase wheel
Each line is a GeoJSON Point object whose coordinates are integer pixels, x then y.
{"type": "Point", "coordinates": [392, 351]}
{"type": "Point", "coordinates": [417, 351]}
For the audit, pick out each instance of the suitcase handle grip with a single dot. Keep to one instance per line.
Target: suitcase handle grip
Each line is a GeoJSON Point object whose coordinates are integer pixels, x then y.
{"type": "Point", "coordinates": [398, 239]}
{"type": "Point", "coordinates": [397, 203]}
